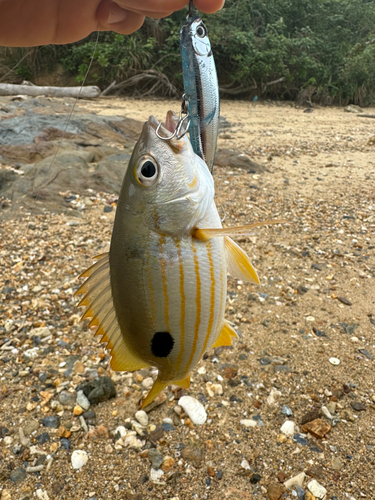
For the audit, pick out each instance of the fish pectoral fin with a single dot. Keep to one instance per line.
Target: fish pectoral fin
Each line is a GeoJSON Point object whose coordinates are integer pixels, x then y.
{"type": "Point", "coordinates": [156, 389]}
{"type": "Point", "coordinates": [226, 335]}
{"type": "Point", "coordinates": [100, 308]}
{"type": "Point", "coordinates": [184, 383]}
{"type": "Point", "coordinates": [207, 234]}
{"type": "Point", "coordinates": [239, 265]}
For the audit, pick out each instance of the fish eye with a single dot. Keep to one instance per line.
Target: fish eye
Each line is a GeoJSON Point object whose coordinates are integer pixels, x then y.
{"type": "Point", "coordinates": [201, 31]}
{"type": "Point", "coordinates": [147, 171]}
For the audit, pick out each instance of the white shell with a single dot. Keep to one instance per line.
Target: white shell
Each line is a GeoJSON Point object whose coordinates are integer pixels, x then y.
{"type": "Point", "coordinates": [288, 428]}
{"type": "Point", "coordinates": [248, 422]}
{"type": "Point", "coordinates": [194, 409]}
{"type": "Point", "coordinates": [295, 481]}
{"type": "Point", "coordinates": [155, 475]}
{"type": "Point", "coordinates": [316, 489]}
{"type": "Point", "coordinates": [334, 361]}
{"type": "Point", "coordinates": [79, 458]}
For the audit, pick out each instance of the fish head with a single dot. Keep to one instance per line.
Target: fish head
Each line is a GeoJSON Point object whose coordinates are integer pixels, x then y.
{"type": "Point", "coordinates": [194, 32]}
{"type": "Point", "coordinates": [166, 183]}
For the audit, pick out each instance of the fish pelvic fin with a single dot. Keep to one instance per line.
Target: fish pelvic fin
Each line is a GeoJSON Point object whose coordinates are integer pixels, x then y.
{"type": "Point", "coordinates": [207, 234]}
{"type": "Point", "coordinates": [226, 335]}
{"type": "Point", "coordinates": [100, 308]}
{"type": "Point", "coordinates": [239, 265]}
{"type": "Point", "coordinates": [156, 389]}
{"type": "Point", "coordinates": [184, 383]}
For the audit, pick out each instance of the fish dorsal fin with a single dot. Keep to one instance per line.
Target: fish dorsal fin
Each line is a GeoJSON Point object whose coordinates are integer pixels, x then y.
{"type": "Point", "coordinates": [99, 302]}
{"type": "Point", "coordinates": [239, 265]}
{"type": "Point", "coordinates": [226, 335]}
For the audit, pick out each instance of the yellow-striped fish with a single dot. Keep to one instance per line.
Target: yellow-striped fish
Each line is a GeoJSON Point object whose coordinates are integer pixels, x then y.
{"type": "Point", "coordinates": [158, 296]}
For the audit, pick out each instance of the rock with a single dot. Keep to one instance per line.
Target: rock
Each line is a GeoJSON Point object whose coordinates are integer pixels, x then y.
{"type": "Point", "coordinates": [288, 428]}
{"type": "Point", "coordinates": [41, 494]}
{"type": "Point", "coordinates": [275, 491]}
{"type": "Point", "coordinates": [142, 417]}
{"type": "Point", "coordinates": [155, 475]}
{"type": "Point", "coordinates": [300, 439]}
{"type": "Point", "coordinates": [214, 389]}
{"type": "Point", "coordinates": [194, 409]}
{"type": "Point", "coordinates": [336, 463]}
{"type": "Point", "coordinates": [310, 496]}
{"type": "Point", "coordinates": [78, 367]}
{"type": "Point", "coordinates": [156, 458]}
{"type": "Point", "coordinates": [193, 454]}
{"type": "Point", "coordinates": [6, 495]}
{"type": "Point", "coordinates": [357, 406]}
{"type": "Point", "coordinates": [99, 389]}
{"type": "Point", "coordinates": [168, 463]}
{"type": "Point", "coordinates": [345, 301]}
{"type": "Point", "coordinates": [18, 475]}
{"type": "Point", "coordinates": [53, 421]}
{"type": "Point", "coordinates": [79, 459]}
{"type": "Point", "coordinates": [77, 410]}
{"type": "Point", "coordinates": [236, 159]}
{"type": "Point", "coordinates": [43, 438]}
{"type": "Point", "coordinates": [133, 442]}
{"type": "Point", "coordinates": [281, 477]}
{"type": "Point", "coordinates": [347, 415]}
{"type": "Point", "coordinates": [121, 431]}
{"type": "Point", "coordinates": [295, 481]}
{"type": "Point", "coordinates": [310, 416]}
{"type": "Point", "coordinates": [318, 428]}
{"type": "Point", "coordinates": [326, 413]}
{"type": "Point", "coordinates": [316, 489]}
{"type": "Point", "coordinates": [300, 493]}
{"type": "Point", "coordinates": [249, 422]}
{"type": "Point", "coordinates": [255, 478]}
{"type": "Point", "coordinates": [285, 410]}
{"type": "Point", "coordinates": [67, 398]}
{"type": "Point", "coordinates": [82, 400]}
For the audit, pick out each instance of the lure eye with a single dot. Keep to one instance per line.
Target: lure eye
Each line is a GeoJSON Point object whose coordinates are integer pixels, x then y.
{"type": "Point", "coordinates": [147, 171]}
{"type": "Point", "coordinates": [201, 31]}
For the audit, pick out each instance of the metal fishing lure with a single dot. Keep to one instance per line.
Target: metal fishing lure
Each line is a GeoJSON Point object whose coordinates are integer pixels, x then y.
{"type": "Point", "coordinates": [201, 87]}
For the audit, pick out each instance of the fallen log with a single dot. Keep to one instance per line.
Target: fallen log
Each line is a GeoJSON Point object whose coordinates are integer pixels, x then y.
{"type": "Point", "coordinates": [88, 92]}
{"type": "Point", "coordinates": [364, 115]}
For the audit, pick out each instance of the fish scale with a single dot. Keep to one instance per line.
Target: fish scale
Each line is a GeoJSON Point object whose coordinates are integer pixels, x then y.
{"type": "Point", "coordinates": [158, 296]}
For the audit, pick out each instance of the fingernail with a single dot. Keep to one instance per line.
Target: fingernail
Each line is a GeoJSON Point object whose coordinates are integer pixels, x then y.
{"type": "Point", "coordinates": [116, 15]}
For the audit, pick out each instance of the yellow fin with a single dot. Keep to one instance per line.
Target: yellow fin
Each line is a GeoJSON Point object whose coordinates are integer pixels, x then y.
{"type": "Point", "coordinates": [239, 264]}
{"type": "Point", "coordinates": [156, 389]}
{"type": "Point", "coordinates": [98, 300]}
{"type": "Point", "coordinates": [226, 335]}
{"type": "Point", "coordinates": [206, 234]}
{"type": "Point", "coordinates": [184, 383]}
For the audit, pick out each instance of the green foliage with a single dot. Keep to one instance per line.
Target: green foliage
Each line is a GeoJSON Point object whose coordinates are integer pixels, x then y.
{"type": "Point", "coordinates": [270, 48]}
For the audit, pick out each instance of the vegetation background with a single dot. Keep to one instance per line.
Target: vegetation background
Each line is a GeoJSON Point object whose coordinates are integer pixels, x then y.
{"type": "Point", "coordinates": [314, 50]}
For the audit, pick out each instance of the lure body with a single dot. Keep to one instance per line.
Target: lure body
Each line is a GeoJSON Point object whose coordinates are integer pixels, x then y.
{"type": "Point", "coordinates": [201, 88]}
{"type": "Point", "coordinates": [158, 297]}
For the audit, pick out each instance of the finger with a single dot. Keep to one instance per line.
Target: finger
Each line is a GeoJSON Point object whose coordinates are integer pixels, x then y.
{"type": "Point", "coordinates": [209, 6]}
{"type": "Point", "coordinates": [155, 6]}
{"type": "Point", "coordinates": [154, 15]}
{"type": "Point", "coordinates": [112, 17]}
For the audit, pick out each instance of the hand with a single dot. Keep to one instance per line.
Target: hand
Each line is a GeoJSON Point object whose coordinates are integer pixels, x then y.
{"type": "Point", "coordinates": [25, 23]}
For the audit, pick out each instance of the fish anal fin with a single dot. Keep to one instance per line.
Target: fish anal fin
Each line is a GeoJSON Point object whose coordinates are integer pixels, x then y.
{"type": "Point", "coordinates": [226, 335]}
{"type": "Point", "coordinates": [156, 389]}
{"type": "Point", "coordinates": [239, 265]}
{"type": "Point", "coordinates": [184, 383]}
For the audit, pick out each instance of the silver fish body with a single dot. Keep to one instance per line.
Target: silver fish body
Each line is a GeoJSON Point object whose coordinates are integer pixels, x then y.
{"type": "Point", "coordinates": [158, 297]}
{"type": "Point", "coordinates": [201, 88]}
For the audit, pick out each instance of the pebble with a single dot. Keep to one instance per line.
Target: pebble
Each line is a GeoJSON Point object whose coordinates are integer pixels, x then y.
{"type": "Point", "coordinates": [318, 428]}
{"type": "Point", "coordinates": [99, 389]}
{"type": "Point", "coordinates": [53, 421]}
{"type": "Point", "coordinates": [357, 406]}
{"type": "Point", "coordinates": [288, 428]}
{"type": "Point", "coordinates": [275, 491]}
{"type": "Point", "coordinates": [148, 382]}
{"type": "Point", "coordinates": [168, 463]}
{"type": "Point", "coordinates": [334, 361]}
{"type": "Point", "coordinates": [6, 495]}
{"type": "Point", "coordinates": [300, 493]}
{"type": "Point", "coordinates": [79, 459]}
{"type": "Point", "coordinates": [142, 417]}
{"type": "Point", "coordinates": [285, 410]}
{"type": "Point", "coordinates": [167, 427]}
{"type": "Point", "coordinates": [156, 458]}
{"type": "Point", "coordinates": [316, 489]}
{"type": "Point", "coordinates": [18, 475]}
{"type": "Point", "coordinates": [133, 442]}
{"type": "Point", "coordinates": [295, 481]}
{"type": "Point", "coordinates": [78, 410]}
{"type": "Point", "coordinates": [192, 453]}
{"type": "Point", "coordinates": [121, 431]}
{"type": "Point", "coordinates": [214, 389]}
{"type": "Point", "coordinates": [82, 400]}
{"type": "Point", "coordinates": [249, 422]}
{"type": "Point", "coordinates": [155, 475]}
{"type": "Point", "coordinates": [336, 463]}
{"type": "Point", "coordinates": [194, 409]}
{"type": "Point", "coordinates": [41, 494]}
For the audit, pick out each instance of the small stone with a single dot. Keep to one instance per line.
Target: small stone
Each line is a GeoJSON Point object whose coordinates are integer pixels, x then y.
{"type": "Point", "coordinates": [18, 475]}
{"type": "Point", "coordinates": [345, 301]}
{"type": "Point", "coordinates": [295, 481]}
{"type": "Point", "coordinates": [331, 407]}
{"type": "Point", "coordinates": [53, 421]}
{"type": "Point", "coordinates": [67, 398]}
{"type": "Point", "coordinates": [299, 439]}
{"type": "Point", "coordinates": [156, 458]}
{"type": "Point", "coordinates": [78, 367]}
{"type": "Point", "coordinates": [255, 478]}
{"type": "Point", "coordinates": [108, 448]}
{"type": "Point", "coordinates": [142, 417]}
{"type": "Point", "coordinates": [366, 353]}
{"type": "Point", "coordinates": [168, 463]}
{"type": "Point", "coordinates": [310, 496]}
{"type": "Point", "coordinates": [133, 442]}
{"type": "Point", "coordinates": [357, 406]}
{"type": "Point", "coordinates": [79, 459]}
{"type": "Point", "coordinates": [41, 494]}
{"type": "Point", "coordinates": [316, 489]}
{"type": "Point", "coordinates": [281, 477]}
{"type": "Point", "coordinates": [214, 389]}
{"type": "Point", "coordinates": [285, 410]}
{"type": "Point", "coordinates": [5, 495]}
{"type": "Point", "coordinates": [155, 475]}
{"type": "Point", "coordinates": [121, 431]}
{"type": "Point", "coordinates": [310, 416]}
{"type": "Point", "coordinates": [167, 427]}
{"type": "Point", "coordinates": [300, 493]}
{"type": "Point", "coordinates": [334, 361]}
{"type": "Point", "coordinates": [78, 410]}
{"type": "Point", "coordinates": [275, 491]}
{"type": "Point", "coordinates": [148, 382]}
{"type": "Point", "coordinates": [194, 409]}
{"type": "Point", "coordinates": [82, 400]}
{"type": "Point", "coordinates": [318, 428]}
{"type": "Point", "coordinates": [282, 438]}
{"type": "Point", "coordinates": [336, 463]}
{"type": "Point", "coordinates": [43, 438]}
{"type": "Point", "coordinates": [326, 413]}
{"type": "Point", "coordinates": [347, 415]}
{"type": "Point", "coordinates": [248, 422]}
{"type": "Point", "coordinates": [211, 471]}
{"type": "Point", "coordinates": [193, 454]}
{"type": "Point", "coordinates": [99, 389]}
{"type": "Point", "coordinates": [288, 428]}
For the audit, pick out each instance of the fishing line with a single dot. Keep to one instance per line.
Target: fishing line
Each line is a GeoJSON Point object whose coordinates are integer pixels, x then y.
{"type": "Point", "coordinates": [49, 181]}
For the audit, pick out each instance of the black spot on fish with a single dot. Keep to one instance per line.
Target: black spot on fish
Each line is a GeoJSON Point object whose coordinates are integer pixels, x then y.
{"type": "Point", "coordinates": [162, 344]}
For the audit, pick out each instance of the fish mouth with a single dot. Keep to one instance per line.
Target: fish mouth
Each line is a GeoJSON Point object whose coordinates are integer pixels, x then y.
{"type": "Point", "coordinates": [167, 128]}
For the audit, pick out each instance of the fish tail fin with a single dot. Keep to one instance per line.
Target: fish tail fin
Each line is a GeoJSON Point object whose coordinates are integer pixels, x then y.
{"type": "Point", "coordinates": [156, 389]}
{"type": "Point", "coordinates": [99, 303]}
{"type": "Point", "coordinates": [226, 335]}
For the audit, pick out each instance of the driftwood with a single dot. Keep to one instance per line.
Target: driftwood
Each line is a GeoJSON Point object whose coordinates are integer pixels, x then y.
{"type": "Point", "coordinates": [241, 89]}
{"type": "Point", "coordinates": [364, 115]}
{"type": "Point", "coordinates": [34, 90]}
{"type": "Point", "coordinates": [142, 81]}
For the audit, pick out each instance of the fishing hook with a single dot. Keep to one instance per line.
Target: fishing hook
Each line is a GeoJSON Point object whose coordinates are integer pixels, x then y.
{"type": "Point", "coordinates": [191, 9]}
{"type": "Point", "coordinates": [182, 125]}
